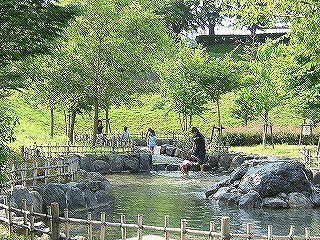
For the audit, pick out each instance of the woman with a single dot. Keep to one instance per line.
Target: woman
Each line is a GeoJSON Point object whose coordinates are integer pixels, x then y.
{"type": "Point", "coordinates": [152, 141]}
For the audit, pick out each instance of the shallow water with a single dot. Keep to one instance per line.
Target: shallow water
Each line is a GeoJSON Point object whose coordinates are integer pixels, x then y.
{"type": "Point", "coordinates": [156, 194]}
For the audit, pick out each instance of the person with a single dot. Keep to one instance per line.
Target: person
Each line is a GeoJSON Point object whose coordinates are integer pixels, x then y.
{"type": "Point", "coordinates": [199, 148]}
{"type": "Point", "coordinates": [152, 141]}
{"type": "Point", "coordinates": [185, 166]}
{"type": "Point", "coordinates": [147, 136]}
{"type": "Point", "coordinates": [125, 137]}
{"type": "Point", "coordinates": [99, 132]}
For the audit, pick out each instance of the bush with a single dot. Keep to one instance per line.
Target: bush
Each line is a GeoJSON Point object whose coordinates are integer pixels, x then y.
{"type": "Point", "coordinates": [255, 138]}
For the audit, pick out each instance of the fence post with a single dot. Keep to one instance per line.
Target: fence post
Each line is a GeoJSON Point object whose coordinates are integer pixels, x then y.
{"type": "Point", "coordinates": [139, 231]}
{"type": "Point", "coordinates": [55, 231]}
{"type": "Point", "coordinates": [25, 218]}
{"type": "Point", "coordinates": [67, 224]}
{"type": "Point", "coordinates": [31, 218]}
{"type": "Point", "coordinates": [103, 226]}
{"type": "Point", "coordinates": [211, 230]}
{"type": "Point", "coordinates": [49, 219]}
{"type": "Point", "coordinates": [183, 229]}
{"type": "Point", "coordinates": [225, 228]}
{"type": "Point", "coordinates": [35, 173]}
{"type": "Point", "coordinates": [24, 174]}
{"type": "Point", "coordinates": [291, 233]}
{"type": "Point", "coordinates": [166, 225]}
{"type": "Point", "coordinates": [269, 232]}
{"type": "Point", "coordinates": [249, 230]}
{"type": "Point", "coordinates": [46, 168]}
{"type": "Point", "coordinates": [8, 214]}
{"type": "Point", "coordinates": [123, 228]}
{"type": "Point", "coordinates": [89, 226]}
{"type": "Point", "coordinates": [307, 233]}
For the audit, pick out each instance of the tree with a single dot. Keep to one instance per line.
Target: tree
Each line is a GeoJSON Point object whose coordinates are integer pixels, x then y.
{"type": "Point", "coordinates": [179, 86]}
{"type": "Point", "coordinates": [243, 108]}
{"type": "Point", "coordinates": [115, 41]}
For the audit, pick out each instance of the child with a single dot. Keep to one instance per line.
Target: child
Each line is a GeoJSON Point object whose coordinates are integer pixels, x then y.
{"type": "Point", "coordinates": [185, 166]}
{"type": "Point", "coordinates": [152, 141]}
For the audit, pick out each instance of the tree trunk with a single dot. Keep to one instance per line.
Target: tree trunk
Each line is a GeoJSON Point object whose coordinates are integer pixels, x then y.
{"type": "Point", "coordinates": [65, 122]}
{"type": "Point", "coordinates": [95, 124]}
{"type": "Point", "coordinates": [52, 121]}
{"type": "Point", "coordinates": [265, 129]}
{"type": "Point", "coordinates": [72, 124]}
{"type": "Point", "coordinates": [219, 123]}
{"type": "Point", "coordinates": [211, 29]}
{"type": "Point", "coordinates": [107, 121]}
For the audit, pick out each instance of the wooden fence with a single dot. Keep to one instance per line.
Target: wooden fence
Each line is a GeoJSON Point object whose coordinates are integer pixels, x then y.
{"type": "Point", "coordinates": [67, 150]}
{"type": "Point", "coordinates": [55, 223]}
{"type": "Point", "coordinates": [310, 157]}
{"type": "Point", "coordinates": [44, 169]}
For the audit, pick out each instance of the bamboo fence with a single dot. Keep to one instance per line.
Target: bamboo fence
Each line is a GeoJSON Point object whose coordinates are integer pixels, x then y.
{"type": "Point", "coordinates": [44, 169]}
{"type": "Point", "coordinates": [56, 222]}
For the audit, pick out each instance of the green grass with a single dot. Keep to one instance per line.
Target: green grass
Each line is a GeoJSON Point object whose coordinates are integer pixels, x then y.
{"type": "Point", "coordinates": [292, 151]}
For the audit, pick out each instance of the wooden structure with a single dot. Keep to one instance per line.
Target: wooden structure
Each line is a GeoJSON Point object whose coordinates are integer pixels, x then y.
{"type": "Point", "coordinates": [310, 157]}
{"type": "Point", "coordinates": [56, 222]}
{"type": "Point", "coordinates": [44, 169]}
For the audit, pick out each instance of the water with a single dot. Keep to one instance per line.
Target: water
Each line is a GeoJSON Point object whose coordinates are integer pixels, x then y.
{"type": "Point", "coordinates": [156, 194]}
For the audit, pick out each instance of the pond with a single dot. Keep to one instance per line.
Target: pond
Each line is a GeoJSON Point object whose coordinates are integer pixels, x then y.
{"type": "Point", "coordinates": [157, 194]}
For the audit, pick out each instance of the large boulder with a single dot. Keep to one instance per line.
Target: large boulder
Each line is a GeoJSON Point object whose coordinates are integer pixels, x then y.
{"type": "Point", "coordinates": [163, 148]}
{"type": "Point", "coordinates": [101, 166]}
{"type": "Point", "coordinates": [132, 164]}
{"type": "Point", "coordinates": [272, 178]}
{"type": "Point", "coordinates": [86, 163]}
{"type": "Point", "coordinates": [298, 200]}
{"type": "Point", "coordinates": [237, 161]}
{"type": "Point", "coordinates": [238, 173]}
{"type": "Point", "coordinates": [177, 152]}
{"type": "Point", "coordinates": [20, 192]}
{"type": "Point", "coordinates": [145, 162]}
{"type": "Point", "coordinates": [90, 199]}
{"type": "Point", "coordinates": [170, 150]}
{"type": "Point", "coordinates": [37, 201]}
{"type": "Point", "coordinates": [116, 163]}
{"type": "Point", "coordinates": [252, 199]}
{"type": "Point", "coordinates": [54, 193]}
{"type": "Point", "coordinates": [75, 199]}
{"type": "Point", "coordinates": [274, 203]}
{"type": "Point", "coordinates": [103, 197]}
{"type": "Point", "coordinates": [213, 160]}
{"type": "Point", "coordinates": [225, 161]}
{"type": "Point", "coordinates": [215, 187]}
{"type": "Point", "coordinates": [316, 178]}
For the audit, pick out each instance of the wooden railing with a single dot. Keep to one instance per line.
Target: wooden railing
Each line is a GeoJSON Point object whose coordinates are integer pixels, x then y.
{"type": "Point", "coordinates": [44, 169]}
{"type": "Point", "coordinates": [55, 223]}
{"type": "Point", "coordinates": [310, 157]}
{"type": "Point", "coordinates": [67, 150]}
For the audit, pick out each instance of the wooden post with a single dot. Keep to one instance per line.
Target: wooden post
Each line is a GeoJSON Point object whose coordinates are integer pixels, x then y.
{"type": "Point", "coordinates": [24, 175]}
{"type": "Point", "coordinates": [8, 215]}
{"type": "Point", "coordinates": [103, 226]}
{"type": "Point", "coordinates": [139, 231]}
{"type": "Point", "coordinates": [271, 132]}
{"type": "Point", "coordinates": [123, 229]}
{"type": "Point", "coordinates": [89, 226]}
{"type": "Point", "coordinates": [166, 225]}
{"type": "Point", "coordinates": [67, 224]}
{"type": "Point", "coordinates": [31, 219]}
{"type": "Point", "coordinates": [35, 173]}
{"type": "Point", "coordinates": [25, 218]}
{"type": "Point", "coordinates": [46, 168]}
{"type": "Point", "coordinates": [291, 233]}
{"type": "Point", "coordinates": [59, 169]}
{"type": "Point", "coordinates": [55, 232]}
{"type": "Point", "coordinates": [211, 229]}
{"type": "Point", "coordinates": [183, 229]}
{"type": "Point", "coordinates": [307, 233]}
{"type": "Point", "coordinates": [269, 232]}
{"type": "Point", "coordinates": [50, 219]}
{"type": "Point", "coordinates": [249, 230]}
{"type": "Point", "coordinates": [225, 228]}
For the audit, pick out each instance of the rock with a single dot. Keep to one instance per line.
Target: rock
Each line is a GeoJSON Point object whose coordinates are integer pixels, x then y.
{"type": "Point", "coordinates": [132, 164]}
{"type": "Point", "coordinates": [116, 163]}
{"type": "Point", "coordinates": [275, 203]}
{"type": "Point", "coordinates": [82, 186]}
{"type": "Point", "coordinates": [37, 201]}
{"type": "Point", "coordinates": [316, 199]}
{"type": "Point", "coordinates": [75, 199]}
{"type": "Point", "coordinates": [20, 192]}
{"type": "Point", "coordinates": [108, 189]}
{"type": "Point", "coordinates": [309, 174]}
{"type": "Point", "coordinates": [215, 187]}
{"type": "Point", "coordinates": [103, 197]}
{"type": "Point", "coordinates": [94, 176]}
{"type": "Point", "coordinates": [177, 152]}
{"type": "Point", "coordinates": [54, 193]}
{"type": "Point", "coordinates": [170, 150]}
{"type": "Point", "coordinates": [232, 197]}
{"type": "Point", "coordinates": [236, 162]}
{"type": "Point", "coordinates": [90, 199]}
{"type": "Point", "coordinates": [251, 199]}
{"type": "Point", "coordinates": [173, 167]}
{"type": "Point", "coordinates": [102, 167]}
{"type": "Point", "coordinates": [225, 161]}
{"type": "Point", "coordinates": [86, 163]}
{"type": "Point", "coordinates": [298, 200]}
{"type": "Point", "coordinates": [159, 167]}
{"type": "Point", "coordinates": [238, 173]}
{"type": "Point", "coordinates": [93, 186]}
{"type": "Point", "coordinates": [163, 148]}
{"type": "Point", "coordinates": [271, 178]}
{"type": "Point", "coordinates": [316, 178]}
{"type": "Point", "coordinates": [145, 162]}
{"type": "Point", "coordinates": [221, 191]}
{"type": "Point", "coordinates": [213, 160]}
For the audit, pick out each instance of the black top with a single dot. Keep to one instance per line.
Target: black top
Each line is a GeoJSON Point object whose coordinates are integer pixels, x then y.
{"type": "Point", "coordinates": [199, 140]}
{"type": "Point", "coordinates": [100, 129]}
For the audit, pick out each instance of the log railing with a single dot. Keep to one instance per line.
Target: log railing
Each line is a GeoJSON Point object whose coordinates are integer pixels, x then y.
{"type": "Point", "coordinates": [310, 157]}
{"type": "Point", "coordinates": [43, 169]}
{"type": "Point", "coordinates": [56, 222]}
